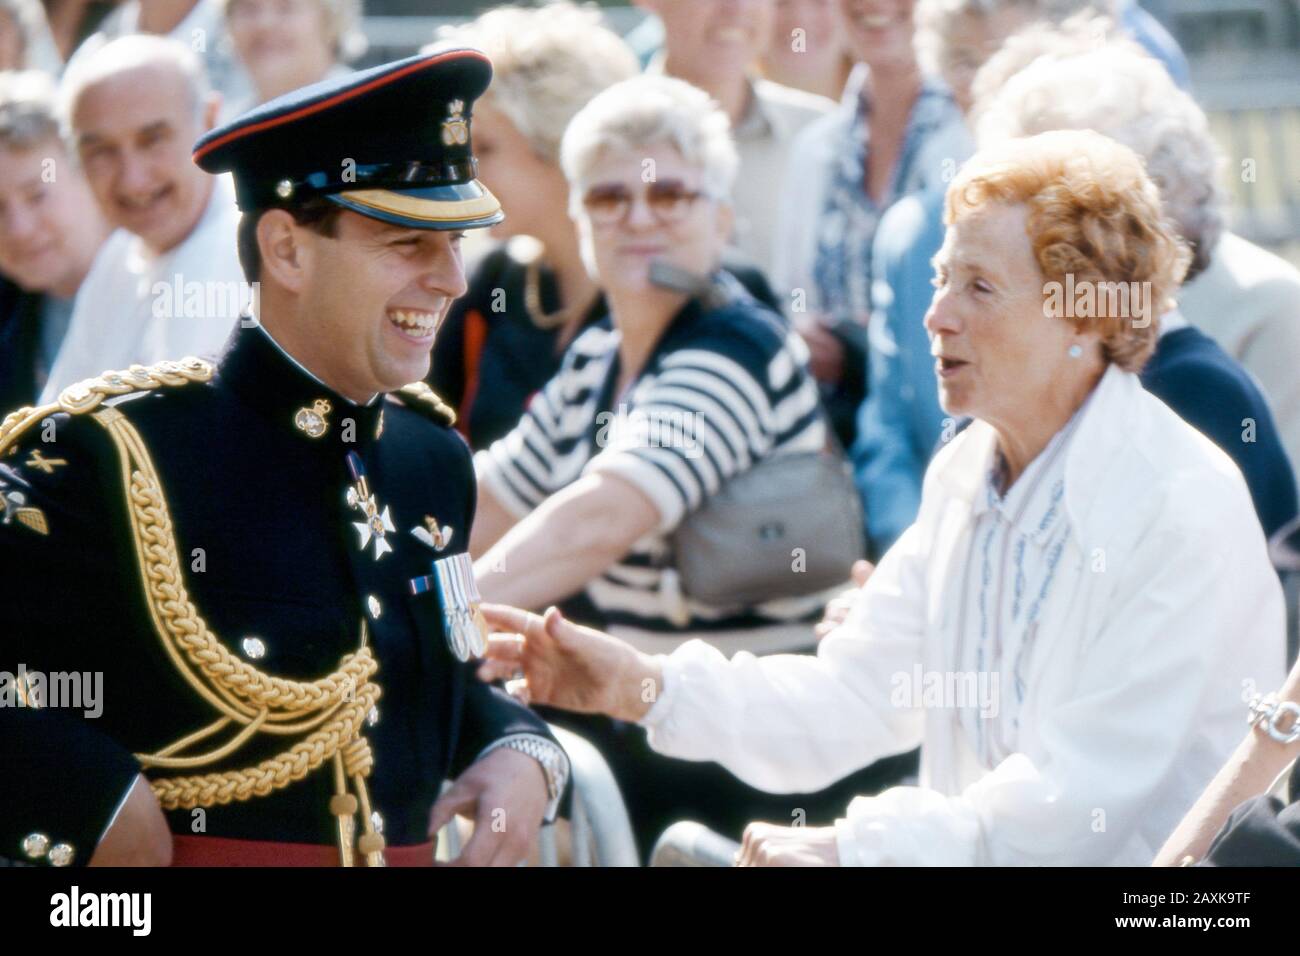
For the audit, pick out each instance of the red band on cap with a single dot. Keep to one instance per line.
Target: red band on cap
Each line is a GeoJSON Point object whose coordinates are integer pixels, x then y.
{"type": "Point", "coordinates": [333, 100]}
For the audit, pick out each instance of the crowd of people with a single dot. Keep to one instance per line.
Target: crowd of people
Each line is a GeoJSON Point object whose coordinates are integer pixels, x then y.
{"type": "Point", "coordinates": [960, 270]}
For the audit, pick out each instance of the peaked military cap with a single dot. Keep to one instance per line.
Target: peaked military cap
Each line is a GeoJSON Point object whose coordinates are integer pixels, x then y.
{"type": "Point", "coordinates": [391, 142]}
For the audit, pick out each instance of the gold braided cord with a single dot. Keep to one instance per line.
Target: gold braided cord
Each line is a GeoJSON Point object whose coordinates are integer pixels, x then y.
{"type": "Point", "coordinates": [336, 705]}
{"type": "Point", "coordinates": [332, 707]}
{"type": "Point", "coordinates": [86, 396]}
{"type": "Point", "coordinates": [233, 686]}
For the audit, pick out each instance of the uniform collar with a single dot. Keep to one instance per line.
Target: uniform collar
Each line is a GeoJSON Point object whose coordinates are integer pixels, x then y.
{"type": "Point", "coordinates": [276, 385]}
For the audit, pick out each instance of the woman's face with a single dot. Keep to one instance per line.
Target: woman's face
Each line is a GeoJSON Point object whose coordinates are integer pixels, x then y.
{"type": "Point", "coordinates": [879, 32]}
{"type": "Point", "coordinates": [284, 44]}
{"type": "Point", "coordinates": [532, 191]}
{"type": "Point", "coordinates": [998, 356]}
{"type": "Point", "coordinates": [973, 40]}
{"type": "Point", "coordinates": [689, 233]}
{"type": "Point", "coordinates": [820, 37]}
{"type": "Point", "coordinates": [50, 227]}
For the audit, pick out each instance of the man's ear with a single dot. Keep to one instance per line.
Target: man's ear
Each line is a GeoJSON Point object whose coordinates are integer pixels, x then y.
{"type": "Point", "coordinates": [285, 256]}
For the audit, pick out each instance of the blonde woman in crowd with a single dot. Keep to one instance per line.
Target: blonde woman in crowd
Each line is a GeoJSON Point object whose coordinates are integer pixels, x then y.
{"type": "Point", "coordinates": [530, 296]}
{"type": "Point", "coordinates": [652, 413]}
{"type": "Point", "coordinates": [287, 44]}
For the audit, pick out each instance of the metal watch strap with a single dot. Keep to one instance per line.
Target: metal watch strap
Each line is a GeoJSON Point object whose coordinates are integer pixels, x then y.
{"type": "Point", "coordinates": [550, 755]}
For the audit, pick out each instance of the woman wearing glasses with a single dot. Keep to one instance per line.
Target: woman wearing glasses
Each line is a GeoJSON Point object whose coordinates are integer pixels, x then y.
{"type": "Point", "coordinates": [530, 296]}
{"type": "Point", "coordinates": [656, 406]}
{"type": "Point", "coordinates": [653, 409]}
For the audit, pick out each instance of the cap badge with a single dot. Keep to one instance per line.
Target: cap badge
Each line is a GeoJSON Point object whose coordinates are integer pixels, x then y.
{"type": "Point", "coordinates": [312, 420]}
{"type": "Point", "coordinates": [455, 130]}
{"type": "Point", "coordinates": [284, 188]}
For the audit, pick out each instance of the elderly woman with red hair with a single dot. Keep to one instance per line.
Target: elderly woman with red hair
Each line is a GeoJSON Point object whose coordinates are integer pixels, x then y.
{"type": "Point", "coordinates": [1067, 627]}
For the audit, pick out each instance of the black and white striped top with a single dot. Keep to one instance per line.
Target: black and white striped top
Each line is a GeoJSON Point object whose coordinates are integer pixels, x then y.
{"type": "Point", "coordinates": [724, 389]}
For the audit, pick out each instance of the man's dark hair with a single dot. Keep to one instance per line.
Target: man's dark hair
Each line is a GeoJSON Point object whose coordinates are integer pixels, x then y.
{"type": "Point", "coordinates": [317, 214]}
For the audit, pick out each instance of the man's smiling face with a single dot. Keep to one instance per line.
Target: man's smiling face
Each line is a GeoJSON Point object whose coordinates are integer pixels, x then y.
{"type": "Point", "coordinates": [133, 132]}
{"type": "Point", "coordinates": [373, 297]}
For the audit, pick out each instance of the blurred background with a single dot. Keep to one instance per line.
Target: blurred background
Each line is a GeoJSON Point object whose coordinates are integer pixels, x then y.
{"type": "Point", "coordinates": [1244, 57]}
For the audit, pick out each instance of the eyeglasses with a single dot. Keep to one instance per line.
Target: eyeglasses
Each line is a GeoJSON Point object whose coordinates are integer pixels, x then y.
{"type": "Point", "coordinates": [669, 200]}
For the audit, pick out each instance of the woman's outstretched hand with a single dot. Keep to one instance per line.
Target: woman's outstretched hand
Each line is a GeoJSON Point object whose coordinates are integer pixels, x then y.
{"type": "Point", "coordinates": [547, 659]}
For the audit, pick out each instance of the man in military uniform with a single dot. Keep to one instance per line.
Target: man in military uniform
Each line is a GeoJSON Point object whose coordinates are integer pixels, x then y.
{"type": "Point", "coordinates": [265, 558]}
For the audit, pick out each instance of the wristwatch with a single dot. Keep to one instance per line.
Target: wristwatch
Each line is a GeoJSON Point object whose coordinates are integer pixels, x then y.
{"type": "Point", "coordinates": [554, 762]}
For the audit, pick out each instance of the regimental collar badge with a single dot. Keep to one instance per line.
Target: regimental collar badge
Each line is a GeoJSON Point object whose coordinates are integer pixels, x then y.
{"type": "Point", "coordinates": [463, 623]}
{"type": "Point", "coordinates": [312, 420]}
{"type": "Point", "coordinates": [432, 535]}
{"type": "Point", "coordinates": [378, 523]}
{"type": "Point", "coordinates": [455, 129]}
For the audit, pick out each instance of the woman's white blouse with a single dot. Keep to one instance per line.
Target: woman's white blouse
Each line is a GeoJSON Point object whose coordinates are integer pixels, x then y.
{"type": "Point", "coordinates": [1073, 658]}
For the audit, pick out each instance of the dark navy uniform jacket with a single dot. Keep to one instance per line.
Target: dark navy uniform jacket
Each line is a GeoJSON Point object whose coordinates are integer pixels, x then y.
{"type": "Point", "coordinates": [272, 562]}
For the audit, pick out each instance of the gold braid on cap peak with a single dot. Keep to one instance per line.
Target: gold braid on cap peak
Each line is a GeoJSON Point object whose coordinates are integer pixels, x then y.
{"type": "Point", "coordinates": [420, 396]}
{"type": "Point", "coordinates": [327, 712]}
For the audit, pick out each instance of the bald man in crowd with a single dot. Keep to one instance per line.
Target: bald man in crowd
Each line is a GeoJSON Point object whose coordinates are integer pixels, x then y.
{"type": "Point", "coordinates": [167, 283]}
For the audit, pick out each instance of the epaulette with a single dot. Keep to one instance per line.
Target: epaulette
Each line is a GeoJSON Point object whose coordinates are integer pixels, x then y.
{"type": "Point", "coordinates": [421, 397]}
{"type": "Point", "coordinates": [87, 395]}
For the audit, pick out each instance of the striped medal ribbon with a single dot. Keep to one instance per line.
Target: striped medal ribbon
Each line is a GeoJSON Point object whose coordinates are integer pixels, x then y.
{"type": "Point", "coordinates": [463, 621]}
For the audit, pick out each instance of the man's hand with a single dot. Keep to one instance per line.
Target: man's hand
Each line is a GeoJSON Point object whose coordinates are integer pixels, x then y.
{"type": "Point", "coordinates": [769, 845]}
{"type": "Point", "coordinates": [837, 611]}
{"type": "Point", "coordinates": [139, 835]}
{"type": "Point", "coordinates": [505, 792]}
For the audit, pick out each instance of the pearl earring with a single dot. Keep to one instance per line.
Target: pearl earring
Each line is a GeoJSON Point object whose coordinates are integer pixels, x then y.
{"type": "Point", "coordinates": [1076, 351]}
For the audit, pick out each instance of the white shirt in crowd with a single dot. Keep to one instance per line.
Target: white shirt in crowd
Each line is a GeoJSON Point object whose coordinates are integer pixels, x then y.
{"type": "Point", "coordinates": [134, 307]}
{"type": "Point", "coordinates": [765, 137]}
{"type": "Point", "coordinates": [1119, 649]}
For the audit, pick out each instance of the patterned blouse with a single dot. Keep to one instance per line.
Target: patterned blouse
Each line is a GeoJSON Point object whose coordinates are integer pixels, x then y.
{"type": "Point", "coordinates": [1017, 544]}
{"type": "Point", "coordinates": [829, 253]}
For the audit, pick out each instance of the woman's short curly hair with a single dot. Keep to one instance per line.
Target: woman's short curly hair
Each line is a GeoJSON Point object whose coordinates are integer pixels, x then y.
{"type": "Point", "coordinates": [650, 110]}
{"type": "Point", "coordinates": [1095, 223]}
